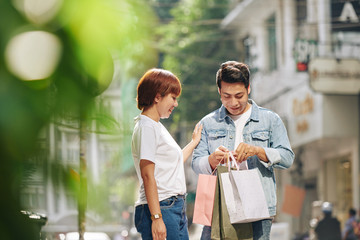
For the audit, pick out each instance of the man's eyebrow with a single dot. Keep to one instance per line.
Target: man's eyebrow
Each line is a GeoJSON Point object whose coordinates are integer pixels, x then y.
{"type": "Point", "coordinates": [236, 94]}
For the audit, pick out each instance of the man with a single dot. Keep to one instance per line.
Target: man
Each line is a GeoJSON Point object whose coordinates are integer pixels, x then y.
{"type": "Point", "coordinates": [256, 135]}
{"type": "Point", "coordinates": [329, 227]}
{"type": "Point", "coordinates": [349, 231]}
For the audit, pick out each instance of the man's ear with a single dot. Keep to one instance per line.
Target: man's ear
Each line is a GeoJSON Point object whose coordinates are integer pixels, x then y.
{"type": "Point", "coordinates": [249, 89]}
{"type": "Point", "coordinates": [219, 90]}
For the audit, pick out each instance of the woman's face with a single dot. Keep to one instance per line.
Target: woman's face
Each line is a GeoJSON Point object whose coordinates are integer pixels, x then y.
{"type": "Point", "coordinates": [166, 105]}
{"type": "Point", "coordinates": [234, 97]}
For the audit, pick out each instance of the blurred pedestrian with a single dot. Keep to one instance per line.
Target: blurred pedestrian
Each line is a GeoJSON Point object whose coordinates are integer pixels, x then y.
{"type": "Point", "coordinates": [348, 232]}
{"type": "Point", "coordinates": [357, 226]}
{"type": "Point", "coordinates": [159, 161]}
{"type": "Point", "coordinates": [328, 228]}
{"type": "Point", "coordinates": [257, 137]}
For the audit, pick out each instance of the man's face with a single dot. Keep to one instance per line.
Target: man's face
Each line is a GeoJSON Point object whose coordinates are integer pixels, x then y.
{"type": "Point", "coordinates": [234, 97]}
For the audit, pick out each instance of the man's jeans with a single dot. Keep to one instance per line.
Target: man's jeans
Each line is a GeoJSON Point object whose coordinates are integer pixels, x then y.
{"type": "Point", "coordinates": [261, 230]}
{"type": "Point", "coordinates": [173, 213]}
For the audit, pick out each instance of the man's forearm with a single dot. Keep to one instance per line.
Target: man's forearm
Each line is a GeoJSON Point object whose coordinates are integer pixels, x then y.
{"type": "Point", "coordinates": [260, 152]}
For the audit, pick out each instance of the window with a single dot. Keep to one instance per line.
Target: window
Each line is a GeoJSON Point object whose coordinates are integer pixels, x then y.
{"type": "Point", "coordinates": [301, 13]}
{"type": "Point", "coordinates": [33, 197]}
{"type": "Point", "coordinates": [272, 43]}
{"type": "Point", "coordinates": [250, 54]}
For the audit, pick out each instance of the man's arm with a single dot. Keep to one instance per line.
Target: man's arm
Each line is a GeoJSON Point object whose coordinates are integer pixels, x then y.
{"type": "Point", "coordinates": [279, 154]}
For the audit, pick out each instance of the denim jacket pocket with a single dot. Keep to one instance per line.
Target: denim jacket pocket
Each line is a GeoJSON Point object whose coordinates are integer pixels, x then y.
{"type": "Point", "coordinates": [261, 138]}
{"type": "Point", "coordinates": [216, 138]}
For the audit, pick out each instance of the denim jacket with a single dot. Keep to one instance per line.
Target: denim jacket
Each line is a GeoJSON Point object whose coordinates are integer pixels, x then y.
{"type": "Point", "coordinates": [264, 128]}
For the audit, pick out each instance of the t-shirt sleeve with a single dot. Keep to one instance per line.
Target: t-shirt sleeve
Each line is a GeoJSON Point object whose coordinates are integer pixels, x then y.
{"type": "Point", "coordinates": [148, 143]}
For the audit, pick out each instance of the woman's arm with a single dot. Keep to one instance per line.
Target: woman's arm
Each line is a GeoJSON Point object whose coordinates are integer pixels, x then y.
{"type": "Point", "coordinates": [147, 173]}
{"type": "Point", "coordinates": [189, 148]}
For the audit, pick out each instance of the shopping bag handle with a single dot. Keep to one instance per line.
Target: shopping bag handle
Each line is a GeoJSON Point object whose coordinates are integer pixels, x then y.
{"type": "Point", "coordinates": [234, 163]}
{"type": "Point", "coordinates": [215, 169]}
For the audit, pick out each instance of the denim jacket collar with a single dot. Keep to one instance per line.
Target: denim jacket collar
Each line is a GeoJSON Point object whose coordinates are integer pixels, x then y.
{"type": "Point", "coordinates": [254, 113]}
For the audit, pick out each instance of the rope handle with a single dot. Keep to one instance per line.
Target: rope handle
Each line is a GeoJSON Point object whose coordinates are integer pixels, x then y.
{"type": "Point", "coordinates": [228, 164]}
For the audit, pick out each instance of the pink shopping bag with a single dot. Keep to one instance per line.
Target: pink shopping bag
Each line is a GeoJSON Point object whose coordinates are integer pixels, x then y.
{"type": "Point", "coordinates": [204, 200]}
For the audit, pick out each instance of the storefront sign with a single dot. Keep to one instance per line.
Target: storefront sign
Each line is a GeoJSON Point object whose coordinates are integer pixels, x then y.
{"type": "Point", "coordinates": [301, 108]}
{"type": "Point", "coordinates": [304, 50]}
{"type": "Point", "coordinates": [305, 115]}
{"type": "Point", "coordinates": [335, 76]}
{"type": "Point", "coordinates": [345, 15]}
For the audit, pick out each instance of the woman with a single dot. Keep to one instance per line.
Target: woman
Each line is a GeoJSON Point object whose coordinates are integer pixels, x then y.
{"type": "Point", "coordinates": [159, 161]}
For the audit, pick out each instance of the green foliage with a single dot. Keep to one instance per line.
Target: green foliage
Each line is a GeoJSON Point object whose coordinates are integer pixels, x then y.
{"type": "Point", "coordinates": [194, 48]}
{"type": "Point", "coordinates": [163, 8]}
{"type": "Point", "coordinates": [89, 35]}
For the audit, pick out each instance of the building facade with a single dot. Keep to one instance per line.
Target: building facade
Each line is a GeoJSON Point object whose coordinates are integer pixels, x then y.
{"type": "Point", "coordinates": [304, 56]}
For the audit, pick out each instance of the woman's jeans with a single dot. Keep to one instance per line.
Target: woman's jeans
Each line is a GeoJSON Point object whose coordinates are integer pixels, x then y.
{"type": "Point", "coordinates": [261, 230]}
{"type": "Point", "coordinates": [173, 213]}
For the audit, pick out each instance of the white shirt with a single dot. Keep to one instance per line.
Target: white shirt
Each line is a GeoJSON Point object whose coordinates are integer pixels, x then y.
{"type": "Point", "coordinates": [151, 141]}
{"type": "Point", "coordinates": [240, 121]}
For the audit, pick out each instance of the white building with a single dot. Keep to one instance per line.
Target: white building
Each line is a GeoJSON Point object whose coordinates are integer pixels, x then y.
{"type": "Point", "coordinates": [305, 61]}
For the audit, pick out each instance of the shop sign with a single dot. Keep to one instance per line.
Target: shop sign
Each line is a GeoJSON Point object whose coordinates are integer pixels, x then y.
{"type": "Point", "coordinates": [300, 109]}
{"type": "Point", "coordinates": [304, 50]}
{"type": "Point", "coordinates": [305, 115]}
{"type": "Point", "coordinates": [345, 15]}
{"type": "Point", "coordinates": [335, 76]}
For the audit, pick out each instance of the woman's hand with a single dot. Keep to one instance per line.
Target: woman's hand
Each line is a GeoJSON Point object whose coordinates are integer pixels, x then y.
{"type": "Point", "coordinates": [196, 135]}
{"type": "Point", "coordinates": [158, 229]}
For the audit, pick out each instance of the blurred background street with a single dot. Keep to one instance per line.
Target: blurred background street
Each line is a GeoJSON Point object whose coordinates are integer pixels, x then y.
{"type": "Point", "coordinates": [68, 76]}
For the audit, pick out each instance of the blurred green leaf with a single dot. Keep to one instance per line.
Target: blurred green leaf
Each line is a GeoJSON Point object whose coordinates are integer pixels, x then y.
{"type": "Point", "coordinates": [93, 33]}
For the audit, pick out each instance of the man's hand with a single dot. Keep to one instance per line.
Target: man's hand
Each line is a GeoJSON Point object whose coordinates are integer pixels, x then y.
{"type": "Point", "coordinates": [158, 229]}
{"type": "Point", "coordinates": [218, 156]}
{"type": "Point", "coordinates": [244, 150]}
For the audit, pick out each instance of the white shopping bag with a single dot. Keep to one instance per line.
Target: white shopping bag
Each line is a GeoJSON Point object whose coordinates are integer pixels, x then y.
{"type": "Point", "coordinates": [244, 196]}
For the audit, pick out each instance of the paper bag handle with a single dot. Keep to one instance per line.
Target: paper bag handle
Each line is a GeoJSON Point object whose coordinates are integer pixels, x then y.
{"type": "Point", "coordinates": [234, 163]}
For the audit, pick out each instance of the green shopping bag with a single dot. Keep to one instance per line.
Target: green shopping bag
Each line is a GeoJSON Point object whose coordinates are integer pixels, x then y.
{"type": "Point", "coordinates": [221, 228]}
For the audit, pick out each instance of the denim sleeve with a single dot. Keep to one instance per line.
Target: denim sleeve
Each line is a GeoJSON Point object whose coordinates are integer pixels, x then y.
{"type": "Point", "coordinates": [279, 154]}
{"type": "Point", "coordinates": [200, 162]}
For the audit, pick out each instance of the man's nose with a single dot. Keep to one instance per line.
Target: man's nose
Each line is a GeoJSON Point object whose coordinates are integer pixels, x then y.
{"type": "Point", "coordinates": [233, 101]}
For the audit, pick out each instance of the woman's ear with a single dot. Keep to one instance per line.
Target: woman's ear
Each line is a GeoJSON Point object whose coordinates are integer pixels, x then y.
{"type": "Point", "coordinates": [157, 98]}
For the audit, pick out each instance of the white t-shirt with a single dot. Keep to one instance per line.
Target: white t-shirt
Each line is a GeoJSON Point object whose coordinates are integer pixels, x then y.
{"type": "Point", "coordinates": [240, 121]}
{"type": "Point", "coordinates": [151, 141]}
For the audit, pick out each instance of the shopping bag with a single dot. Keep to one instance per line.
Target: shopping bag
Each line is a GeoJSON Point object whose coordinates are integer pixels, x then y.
{"type": "Point", "coordinates": [244, 196]}
{"type": "Point", "coordinates": [204, 200]}
{"type": "Point", "coordinates": [221, 227]}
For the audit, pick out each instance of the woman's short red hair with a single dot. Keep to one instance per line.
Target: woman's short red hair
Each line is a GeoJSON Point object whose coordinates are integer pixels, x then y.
{"type": "Point", "coordinates": [156, 81]}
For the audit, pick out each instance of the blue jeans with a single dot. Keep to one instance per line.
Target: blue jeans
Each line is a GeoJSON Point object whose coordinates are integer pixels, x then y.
{"type": "Point", "coordinates": [261, 230]}
{"type": "Point", "coordinates": [173, 213]}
